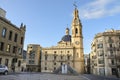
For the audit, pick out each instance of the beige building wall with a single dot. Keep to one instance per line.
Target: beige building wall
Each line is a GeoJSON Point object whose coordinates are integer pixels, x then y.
{"type": "Point", "coordinates": [105, 54]}
{"type": "Point", "coordinates": [70, 45]}
{"type": "Point", "coordinates": [33, 57]}
{"type": "Point", "coordinates": [69, 50]}
{"type": "Point", "coordinates": [11, 43]}
{"type": "Point", "coordinates": [53, 57]}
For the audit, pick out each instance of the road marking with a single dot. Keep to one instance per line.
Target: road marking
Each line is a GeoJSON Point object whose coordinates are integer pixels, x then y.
{"type": "Point", "coordinates": [86, 78]}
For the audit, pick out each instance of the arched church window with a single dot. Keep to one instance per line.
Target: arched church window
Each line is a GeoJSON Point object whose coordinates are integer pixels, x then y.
{"type": "Point", "coordinates": [76, 30]}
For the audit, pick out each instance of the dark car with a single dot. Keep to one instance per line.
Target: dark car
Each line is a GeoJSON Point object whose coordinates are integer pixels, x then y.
{"type": "Point", "coordinates": [3, 69]}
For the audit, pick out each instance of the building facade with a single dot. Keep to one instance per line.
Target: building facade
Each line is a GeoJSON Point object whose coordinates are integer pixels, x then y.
{"type": "Point", "coordinates": [33, 57]}
{"type": "Point", "coordinates": [87, 63]}
{"type": "Point", "coordinates": [11, 43]}
{"type": "Point", "coordinates": [105, 54]}
{"type": "Point", "coordinates": [68, 51]}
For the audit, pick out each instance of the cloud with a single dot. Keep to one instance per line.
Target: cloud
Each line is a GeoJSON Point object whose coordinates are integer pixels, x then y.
{"type": "Point", "coordinates": [100, 8]}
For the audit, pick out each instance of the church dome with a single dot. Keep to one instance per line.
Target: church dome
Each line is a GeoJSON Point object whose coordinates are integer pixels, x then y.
{"type": "Point", "coordinates": [66, 38]}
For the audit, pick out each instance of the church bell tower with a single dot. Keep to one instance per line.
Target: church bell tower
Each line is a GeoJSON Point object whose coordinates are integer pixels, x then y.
{"type": "Point", "coordinates": [77, 41]}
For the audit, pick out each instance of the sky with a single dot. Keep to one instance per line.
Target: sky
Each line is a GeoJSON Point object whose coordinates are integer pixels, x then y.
{"type": "Point", "coordinates": [46, 20]}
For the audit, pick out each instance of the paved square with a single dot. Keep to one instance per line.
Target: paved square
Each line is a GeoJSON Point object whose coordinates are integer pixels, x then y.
{"type": "Point", "coordinates": [40, 76]}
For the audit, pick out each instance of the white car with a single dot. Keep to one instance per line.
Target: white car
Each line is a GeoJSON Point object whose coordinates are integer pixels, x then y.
{"type": "Point", "coordinates": [3, 69]}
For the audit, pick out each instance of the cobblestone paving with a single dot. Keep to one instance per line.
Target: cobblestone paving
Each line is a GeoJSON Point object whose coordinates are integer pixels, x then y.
{"type": "Point", "coordinates": [40, 77]}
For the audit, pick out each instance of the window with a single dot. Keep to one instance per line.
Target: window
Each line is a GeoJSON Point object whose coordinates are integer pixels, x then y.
{"type": "Point", "coordinates": [110, 40]}
{"type": "Point", "coordinates": [45, 63]}
{"type": "Point", "coordinates": [31, 61]}
{"type": "Point", "coordinates": [8, 48]}
{"type": "Point", "coordinates": [100, 61]}
{"type": "Point", "coordinates": [20, 51]}
{"type": "Point", "coordinates": [32, 55]}
{"type": "Point", "coordinates": [119, 46]}
{"type": "Point", "coordinates": [119, 37]}
{"type": "Point", "coordinates": [112, 62]}
{"type": "Point", "coordinates": [6, 62]}
{"type": "Point", "coordinates": [1, 46]}
{"type": "Point", "coordinates": [14, 49]}
{"type": "Point", "coordinates": [0, 60]}
{"type": "Point", "coordinates": [76, 30]}
{"type": "Point", "coordinates": [4, 32]}
{"type": "Point", "coordinates": [54, 63]}
{"type": "Point", "coordinates": [114, 71]}
{"type": "Point", "coordinates": [21, 42]}
{"type": "Point", "coordinates": [46, 52]}
{"type": "Point", "coordinates": [45, 68]}
{"type": "Point", "coordinates": [68, 63]}
{"type": "Point", "coordinates": [15, 38]}
{"type": "Point", "coordinates": [101, 71]}
{"type": "Point", "coordinates": [68, 57]}
{"type": "Point", "coordinates": [119, 60]}
{"type": "Point", "coordinates": [101, 53]}
{"type": "Point", "coordinates": [54, 68]}
{"type": "Point", "coordinates": [19, 63]}
{"type": "Point", "coordinates": [55, 56]}
{"type": "Point", "coordinates": [68, 51]}
{"type": "Point", "coordinates": [54, 51]}
{"type": "Point", "coordinates": [100, 45]}
{"type": "Point", "coordinates": [111, 52]}
{"type": "Point", "coordinates": [110, 45]}
{"type": "Point", "coordinates": [61, 63]}
{"type": "Point", "coordinates": [10, 35]}
{"type": "Point", "coordinates": [46, 56]}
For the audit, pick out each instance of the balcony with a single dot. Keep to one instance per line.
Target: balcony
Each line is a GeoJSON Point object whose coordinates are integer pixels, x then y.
{"type": "Point", "coordinates": [117, 56]}
{"type": "Point", "coordinates": [111, 56]}
{"type": "Point", "coordinates": [101, 65]}
{"type": "Point", "coordinates": [112, 65]}
{"type": "Point", "coordinates": [118, 63]}
{"type": "Point", "coordinates": [100, 56]}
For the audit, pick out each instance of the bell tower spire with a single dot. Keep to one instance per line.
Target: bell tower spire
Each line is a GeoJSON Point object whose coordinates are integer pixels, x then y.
{"type": "Point", "coordinates": [77, 41]}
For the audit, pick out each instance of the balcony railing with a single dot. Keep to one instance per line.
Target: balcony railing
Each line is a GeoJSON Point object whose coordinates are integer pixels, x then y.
{"type": "Point", "coordinates": [118, 63]}
{"type": "Point", "coordinates": [111, 56]}
{"type": "Point", "coordinates": [100, 56]}
{"type": "Point", "coordinates": [101, 65]}
{"type": "Point", "coordinates": [113, 48]}
{"type": "Point", "coordinates": [112, 65]}
{"type": "Point", "coordinates": [117, 56]}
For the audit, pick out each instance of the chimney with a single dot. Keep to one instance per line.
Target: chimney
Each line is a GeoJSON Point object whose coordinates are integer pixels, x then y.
{"type": "Point", "coordinates": [2, 13]}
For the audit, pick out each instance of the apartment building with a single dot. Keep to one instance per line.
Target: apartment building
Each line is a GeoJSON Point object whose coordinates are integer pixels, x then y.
{"type": "Point", "coordinates": [33, 57]}
{"type": "Point", "coordinates": [11, 43]}
{"type": "Point", "coordinates": [105, 53]}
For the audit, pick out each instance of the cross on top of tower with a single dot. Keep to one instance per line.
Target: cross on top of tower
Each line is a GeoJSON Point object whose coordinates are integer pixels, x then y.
{"type": "Point", "coordinates": [74, 4]}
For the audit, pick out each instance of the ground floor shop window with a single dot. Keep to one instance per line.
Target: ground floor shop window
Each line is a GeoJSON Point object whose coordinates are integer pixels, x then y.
{"type": "Point", "coordinates": [114, 71]}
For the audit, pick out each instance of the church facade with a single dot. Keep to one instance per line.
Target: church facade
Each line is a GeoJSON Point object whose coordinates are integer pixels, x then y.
{"type": "Point", "coordinates": [68, 51]}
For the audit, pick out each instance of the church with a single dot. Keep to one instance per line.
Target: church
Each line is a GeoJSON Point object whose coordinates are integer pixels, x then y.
{"type": "Point", "coordinates": [68, 53]}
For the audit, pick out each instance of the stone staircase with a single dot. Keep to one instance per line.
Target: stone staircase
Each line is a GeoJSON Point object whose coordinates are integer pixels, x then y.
{"type": "Point", "coordinates": [70, 70]}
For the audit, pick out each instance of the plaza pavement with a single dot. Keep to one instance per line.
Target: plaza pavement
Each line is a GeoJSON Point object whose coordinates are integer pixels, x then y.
{"type": "Point", "coordinates": [48, 76]}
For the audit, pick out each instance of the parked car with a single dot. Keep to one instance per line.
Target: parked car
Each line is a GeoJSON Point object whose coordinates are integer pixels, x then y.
{"type": "Point", "coordinates": [3, 69]}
